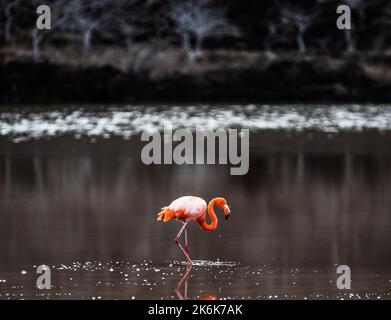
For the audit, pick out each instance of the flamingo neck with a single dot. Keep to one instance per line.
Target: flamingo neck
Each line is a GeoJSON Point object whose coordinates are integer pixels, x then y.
{"type": "Point", "coordinates": [212, 215]}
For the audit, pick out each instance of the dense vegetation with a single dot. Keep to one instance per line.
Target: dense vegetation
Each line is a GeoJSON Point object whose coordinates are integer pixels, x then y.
{"type": "Point", "coordinates": [205, 50]}
{"type": "Point", "coordinates": [229, 24]}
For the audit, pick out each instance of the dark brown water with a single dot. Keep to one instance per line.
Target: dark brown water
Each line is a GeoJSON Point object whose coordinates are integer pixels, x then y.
{"type": "Point", "coordinates": [87, 210]}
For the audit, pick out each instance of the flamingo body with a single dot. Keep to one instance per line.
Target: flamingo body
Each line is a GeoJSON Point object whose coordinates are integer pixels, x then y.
{"type": "Point", "coordinates": [190, 208]}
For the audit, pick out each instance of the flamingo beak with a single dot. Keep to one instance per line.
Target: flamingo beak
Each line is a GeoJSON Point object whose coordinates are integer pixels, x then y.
{"type": "Point", "coordinates": [227, 211]}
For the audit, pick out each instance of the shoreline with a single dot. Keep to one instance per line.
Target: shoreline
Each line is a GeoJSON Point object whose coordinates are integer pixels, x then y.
{"type": "Point", "coordinates": [284, 78]}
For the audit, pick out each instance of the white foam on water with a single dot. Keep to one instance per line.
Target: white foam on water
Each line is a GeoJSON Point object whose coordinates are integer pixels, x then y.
{"type": "Point", "coordinates": [208, 263]}
{"type": "Point", "coordinates": [26, 124]}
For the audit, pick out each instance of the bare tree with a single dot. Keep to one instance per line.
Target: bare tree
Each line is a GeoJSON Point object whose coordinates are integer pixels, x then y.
{"type": "Point", "coordinates": [125, 15]}
{"type": "Point", "coordinates": [85, 19]}
{"type": "Point", "coordinates": [89, 18]}
{"type": "Point", "coordinates": [193, 20]}
{"type": "Point", "coordinates": [383, 21]}
{"type": "Point", "coordinates": [36, 44]}
{"type": "Point", "coordinates": [358, 6]}
{"type": "Point", "coordinates": [302, 22]}
{"type": "Point", "coordinates": [59, 15]}
{"type": "Point", "coordinates": [9, 13]}
{"type": "Point", "coordinates": [80, 17]}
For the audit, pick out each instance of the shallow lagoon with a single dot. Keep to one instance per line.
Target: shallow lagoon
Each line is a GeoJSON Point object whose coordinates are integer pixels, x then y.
{"type": "Point", "coordinates": [79, 199]}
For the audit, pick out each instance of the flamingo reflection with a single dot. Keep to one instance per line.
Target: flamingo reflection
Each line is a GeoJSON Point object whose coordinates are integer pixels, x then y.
{"type": "Point", "coordinates": [185, 282]}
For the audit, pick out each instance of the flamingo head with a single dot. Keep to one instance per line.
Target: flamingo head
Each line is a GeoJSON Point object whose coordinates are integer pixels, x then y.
{"type": "Point", "coordinates": [222, 204]}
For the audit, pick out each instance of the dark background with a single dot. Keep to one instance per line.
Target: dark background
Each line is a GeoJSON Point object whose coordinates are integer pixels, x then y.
{"type": "Point", "coordinates": [135, 52]}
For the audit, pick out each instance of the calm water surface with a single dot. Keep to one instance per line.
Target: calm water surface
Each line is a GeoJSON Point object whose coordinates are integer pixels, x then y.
{"type": "Point", "coordinates": [310, 202]}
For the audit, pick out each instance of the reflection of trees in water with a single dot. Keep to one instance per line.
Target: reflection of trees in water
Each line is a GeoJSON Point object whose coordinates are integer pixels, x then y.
{"type": "Point", "coordinates": [336, 208]}
{"type": "Point", "coordinates": [292, 207]}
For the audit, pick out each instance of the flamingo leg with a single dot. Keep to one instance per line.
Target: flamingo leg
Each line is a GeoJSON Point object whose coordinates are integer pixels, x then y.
{"type": "Point", "coordinates": [186, 242]}
{"type": "Point", "coordinates": [185, 253]}
{"type": "Point", "coordinates": [187, 247]}
{"type": "Point", "coordinates": [179, 245]}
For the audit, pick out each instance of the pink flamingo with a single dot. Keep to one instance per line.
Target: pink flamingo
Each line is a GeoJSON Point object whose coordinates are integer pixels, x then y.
{"type": "Point", "coordinates": [189, 208]}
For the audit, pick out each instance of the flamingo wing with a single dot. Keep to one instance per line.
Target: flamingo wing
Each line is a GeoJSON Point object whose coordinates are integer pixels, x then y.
{"type": "Point", "coordinates": [183, 208]}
